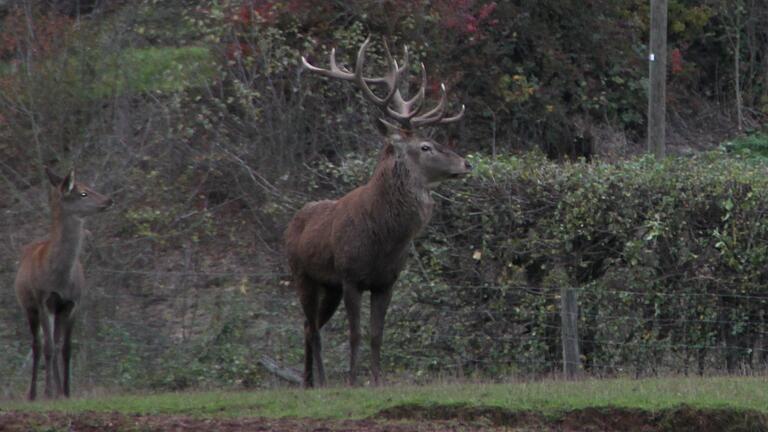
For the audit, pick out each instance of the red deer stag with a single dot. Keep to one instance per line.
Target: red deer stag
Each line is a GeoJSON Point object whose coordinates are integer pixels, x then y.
{"type": "Point", "coordinates": [50, 280]}
{"type": "Point", "coordinates": [341, 248]}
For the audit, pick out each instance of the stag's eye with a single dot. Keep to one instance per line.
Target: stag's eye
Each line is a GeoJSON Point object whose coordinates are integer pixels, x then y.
{"type": "Point", "coordinates": [425, 148]}
{"type": "Point", "coordinates": [83, 194]}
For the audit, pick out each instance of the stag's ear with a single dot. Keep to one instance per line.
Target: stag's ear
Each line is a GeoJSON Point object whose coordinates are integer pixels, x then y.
{"type": "Point", "coordinates": [52, 177]}
{"type": "Point", "coordinates": [384, 127]}
{"type": "Point", "coordinates": [395, 134]}
{"type": "Point", "coordinates": [387, 128]}
{"type": "Point", "coordinates": [69, 182]}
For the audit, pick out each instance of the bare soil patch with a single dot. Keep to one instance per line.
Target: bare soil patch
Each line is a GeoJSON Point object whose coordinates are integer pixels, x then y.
{"type": "Point", "coordinates": [682, 418]}
{"type": "Point", "coordinates": [407, 418]}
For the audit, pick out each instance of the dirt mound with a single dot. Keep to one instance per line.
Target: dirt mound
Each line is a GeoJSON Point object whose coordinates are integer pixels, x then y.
{"type": "Point", "coordinates": [493, 416]}
{"type": "Point", "coordinates": [116, 422]}
{"type": "Point", "coordinates": [606, 419]}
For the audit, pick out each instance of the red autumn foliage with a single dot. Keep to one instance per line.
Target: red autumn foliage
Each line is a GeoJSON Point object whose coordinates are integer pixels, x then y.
{"type": "Point", "coordinates": [268, 11]}
{"type": "Point", "coordinates": [260, 13]}
{"type": "Point", "coordinates": [49, 34]}
{"type": "Point", "coordinates": [676, 61]}
{"type": "Point", "coordinates": [468, 17]}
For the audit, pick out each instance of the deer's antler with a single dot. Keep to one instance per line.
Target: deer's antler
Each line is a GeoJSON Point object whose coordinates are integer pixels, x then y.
{"type": "Point", "coordinates": [406, 112]}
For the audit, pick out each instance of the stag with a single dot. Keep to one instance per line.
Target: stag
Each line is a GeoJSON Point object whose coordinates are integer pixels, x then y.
{"type": "Point", "coordinates": [50, 280]}
{"type": "Point", "coordinates": [341, 248]}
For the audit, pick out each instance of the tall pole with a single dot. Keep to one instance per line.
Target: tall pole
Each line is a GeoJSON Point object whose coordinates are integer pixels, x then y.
{"type": "Point", "coordinates": [657, 61]}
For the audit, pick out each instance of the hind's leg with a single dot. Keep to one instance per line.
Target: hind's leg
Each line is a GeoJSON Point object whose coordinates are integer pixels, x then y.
{"type": "Point", "coordinates": [33, 318]}
{"type": "Point", "coordinates": [51, 370]}
{"type": "Point", "coordinates": [64, 325]}
{"type": "Point", "coordinates": [52, 345]}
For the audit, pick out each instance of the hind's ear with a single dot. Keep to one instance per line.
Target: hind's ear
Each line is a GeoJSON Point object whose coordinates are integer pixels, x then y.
{"type": "Point", "coordinates": [52, 177]}
{"type": "Point", "coordinates": [69, 182]}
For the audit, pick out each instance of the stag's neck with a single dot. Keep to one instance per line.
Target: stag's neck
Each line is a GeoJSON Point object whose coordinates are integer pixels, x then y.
{"type": "Point", "coordinates": [404, 197]}
{"type": "Point", "coordinates": [66, 241]}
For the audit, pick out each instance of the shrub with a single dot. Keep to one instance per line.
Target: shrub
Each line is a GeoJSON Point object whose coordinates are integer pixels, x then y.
{"type": "Point", "coordinates": [669, 259]}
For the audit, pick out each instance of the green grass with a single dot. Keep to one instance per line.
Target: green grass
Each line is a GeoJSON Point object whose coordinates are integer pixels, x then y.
{"type": "Point", "coordinates": [163, 69]}
{"type": "Point", "coordinates": [548, 398]}
{"type": "Point", "coordinates": [754, 146]}
{"type": "Point", "coordinates": [131, 71]}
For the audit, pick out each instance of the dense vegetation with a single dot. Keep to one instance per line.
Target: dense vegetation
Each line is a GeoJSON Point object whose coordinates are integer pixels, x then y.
{"type": "Point", "coordinates": [195, 116]}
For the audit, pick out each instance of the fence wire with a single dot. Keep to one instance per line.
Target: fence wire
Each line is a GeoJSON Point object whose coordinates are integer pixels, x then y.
{"type": "Point", "coordinates": [167, 323]}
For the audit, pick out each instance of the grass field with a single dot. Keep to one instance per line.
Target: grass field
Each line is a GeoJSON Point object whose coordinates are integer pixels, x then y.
{"type": "Point", "coordinates": [547, 400]}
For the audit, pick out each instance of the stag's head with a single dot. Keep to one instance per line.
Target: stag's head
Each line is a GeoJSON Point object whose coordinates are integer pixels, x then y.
{"type": "Point", "coordinates": [401, 118]}
{"type": "Point", "coordinates": [75, 198]}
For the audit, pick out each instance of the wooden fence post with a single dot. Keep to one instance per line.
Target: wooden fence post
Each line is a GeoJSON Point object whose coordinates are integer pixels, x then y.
{"type": "Point", "coordinates": [569, 333]}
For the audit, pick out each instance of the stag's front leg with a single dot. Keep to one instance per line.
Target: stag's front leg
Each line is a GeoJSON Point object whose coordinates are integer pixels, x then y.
{"type": "Point", "coordinates": [352, 304]}
{"type": "Point", "coordinates": [379, 305]}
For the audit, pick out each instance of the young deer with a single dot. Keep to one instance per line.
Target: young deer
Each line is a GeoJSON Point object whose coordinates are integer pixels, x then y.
{"type": "Point", "coordinates": [341, 248]}
{"type": "Point", "coordinates": [50, 280]}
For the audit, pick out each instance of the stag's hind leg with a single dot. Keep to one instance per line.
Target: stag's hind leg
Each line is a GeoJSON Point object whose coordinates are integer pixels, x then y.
{"type": "Point", "coordinates": [33, 318]}
{"type": "Point", "coordinates": [328, 304]}
{"type": "Point", "coordinates": [331, 301]}
{"type": "Point", "coordinates": [309, 296]}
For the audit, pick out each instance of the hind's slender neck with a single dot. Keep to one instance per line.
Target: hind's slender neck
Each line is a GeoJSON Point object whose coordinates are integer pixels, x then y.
{"type": "Point", "coordinates": [66, 239]}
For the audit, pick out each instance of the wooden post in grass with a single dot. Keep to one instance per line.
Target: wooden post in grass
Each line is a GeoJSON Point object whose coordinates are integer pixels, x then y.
{"type": "Point", "coordinates": [657, 91]}
{"type": "Point", "coordinates": [569, 333]}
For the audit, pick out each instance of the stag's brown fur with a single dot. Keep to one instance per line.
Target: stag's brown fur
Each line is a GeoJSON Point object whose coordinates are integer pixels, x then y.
{"type": "Point", "coordinates": [338, 249]}
{"type": "Point", "coordinates": [50, 281]}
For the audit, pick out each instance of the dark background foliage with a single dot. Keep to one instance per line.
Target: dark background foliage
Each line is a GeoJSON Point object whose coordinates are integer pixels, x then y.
{"type": "Point", "coordinates": [196, 117]}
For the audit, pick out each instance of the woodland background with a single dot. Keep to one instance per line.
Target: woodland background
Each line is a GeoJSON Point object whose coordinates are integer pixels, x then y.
{"type": "Point", "coordinates": [196, 117]}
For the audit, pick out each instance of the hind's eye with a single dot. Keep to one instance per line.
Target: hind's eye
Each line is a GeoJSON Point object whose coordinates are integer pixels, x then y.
{"type": "Point", "coordinates": [83, 194]}
{"type": "Point", "coordinates": [426, 148]}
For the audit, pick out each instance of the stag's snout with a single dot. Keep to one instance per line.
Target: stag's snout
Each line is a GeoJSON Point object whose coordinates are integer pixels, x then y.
{"type": "Point", "coordinates": [464, 168]}
{"type": "Point", "coordinates": [467, 168]}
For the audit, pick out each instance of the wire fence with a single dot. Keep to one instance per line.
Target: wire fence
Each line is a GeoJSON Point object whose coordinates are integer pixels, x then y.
{"type": "Point", "coordinates": [180, 328]}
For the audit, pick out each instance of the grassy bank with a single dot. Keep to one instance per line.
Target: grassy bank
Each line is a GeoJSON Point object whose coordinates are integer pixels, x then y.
{"type": "Point", "coordinates": [548, 398]}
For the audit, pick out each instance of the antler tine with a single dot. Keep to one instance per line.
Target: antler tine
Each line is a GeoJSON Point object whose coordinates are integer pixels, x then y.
{"type": "Point", "coordinates": [337, 70]}
{"type": "Point", "coordinates": [334, 72]}
{"type": "Point", "coordinates": [455, 118]}
{"type": "Point", "coordinates": [402, 68]}
{"type": "Point", "coordinates": [435, 114]}
{"type": "Point", "coordinates": [407, 109]}
{"type": "Point", "coordinates": [404, 111]}
{"type": "Point", "coordinates": [392, 79]}
{"type": "Point", "coordinates": [336, 67]}
{"type": "Point", "coordinates": [418, 99]}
